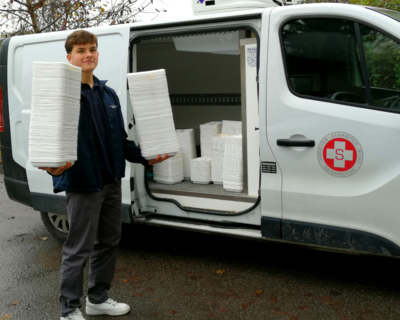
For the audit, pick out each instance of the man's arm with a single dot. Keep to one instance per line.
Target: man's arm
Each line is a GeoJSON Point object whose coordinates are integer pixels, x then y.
{"type": "Point", "coordinates": [132, 152]}
{"type": "Point", "coordinates": [158, 159]}
{"type": "Point", "coordinates": [57, 171]}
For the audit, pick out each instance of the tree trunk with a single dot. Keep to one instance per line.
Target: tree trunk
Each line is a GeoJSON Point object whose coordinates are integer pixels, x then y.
{"type": "Point", "coordinates": [31, 11]}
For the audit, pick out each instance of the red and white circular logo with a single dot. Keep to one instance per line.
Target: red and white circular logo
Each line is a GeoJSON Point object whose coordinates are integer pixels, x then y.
{"type": "Point", "coordinates": [340, 154]}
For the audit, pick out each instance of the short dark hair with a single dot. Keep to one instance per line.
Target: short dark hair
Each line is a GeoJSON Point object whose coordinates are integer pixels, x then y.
{"type": "Point", "coordinates": [79, 37]}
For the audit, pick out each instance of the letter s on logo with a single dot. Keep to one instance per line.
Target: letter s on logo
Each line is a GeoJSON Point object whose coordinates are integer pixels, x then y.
{"type": "Point", "coordinates": [340, 154]}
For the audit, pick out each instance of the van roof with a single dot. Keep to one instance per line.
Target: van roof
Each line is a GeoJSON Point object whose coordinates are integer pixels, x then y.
{"type": "Point", "coordinates": [199, 18]}
{"type": "Point", "coordinates": [240, 13]}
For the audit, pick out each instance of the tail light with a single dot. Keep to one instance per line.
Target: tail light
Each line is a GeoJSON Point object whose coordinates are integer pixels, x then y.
{"type": "Point", "coordinates": [1, 111]}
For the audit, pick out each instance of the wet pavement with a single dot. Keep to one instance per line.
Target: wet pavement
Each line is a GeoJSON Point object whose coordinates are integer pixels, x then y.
{"type": "Point", "coordinates": [170, 274]}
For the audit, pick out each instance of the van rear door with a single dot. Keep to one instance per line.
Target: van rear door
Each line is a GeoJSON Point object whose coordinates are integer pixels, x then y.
{"type": "Point", "coordinates": [113, 45]}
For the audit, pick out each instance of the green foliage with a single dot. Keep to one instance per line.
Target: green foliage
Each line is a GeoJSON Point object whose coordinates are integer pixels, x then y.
{"type": "Point", "coordinates": [388, 4]}
{"type": "Point", "coordinates": [383, 59]}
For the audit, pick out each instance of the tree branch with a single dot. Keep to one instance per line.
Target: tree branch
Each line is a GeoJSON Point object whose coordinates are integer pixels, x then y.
{"type": "Point", "coordinates": [22, 18]}
{"type": "Point", "coordinates": [21, 3]}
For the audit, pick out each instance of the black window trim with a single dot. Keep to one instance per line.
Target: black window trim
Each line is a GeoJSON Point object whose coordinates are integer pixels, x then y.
{"type": "Point", "coordinates": [307, 97]}
{"type": "Point", "coordinates": [363, 64]}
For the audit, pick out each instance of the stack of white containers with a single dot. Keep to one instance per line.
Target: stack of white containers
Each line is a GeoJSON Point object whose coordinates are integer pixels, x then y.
{"type": "Point", "coordinates": [187, 146]}
{"type": "Point", "coordinates": [217, 159]}
{"type": "Point", "coordinates": [201, 170]}
{"type": "Point", "coordinates": [231, 127]}
{"type": "Point", "coordinates": [169, 171]}
{"type": "Point", "coordinates": [233, 164]}
{"type": "Point", "coordinates": [207, 130]}
{"type": "Point", "coordinates": [153, 114]}
{"type": "Point", "coordinates": [55, 107]}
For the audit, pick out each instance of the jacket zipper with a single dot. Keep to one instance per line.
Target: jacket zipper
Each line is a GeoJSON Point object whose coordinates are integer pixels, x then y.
{"type": "Point", "coordinates": [101, 86]}
{"type": "Point", "coordinates": [94, 148]}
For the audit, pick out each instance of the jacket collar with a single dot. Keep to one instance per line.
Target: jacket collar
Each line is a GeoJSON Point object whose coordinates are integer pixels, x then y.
{"type": "Point", "coordinates": [99, 82]}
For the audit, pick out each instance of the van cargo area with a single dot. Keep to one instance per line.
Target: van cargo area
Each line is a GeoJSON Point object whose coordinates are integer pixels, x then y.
{"type": "Point", "coordinates": [208, 80]}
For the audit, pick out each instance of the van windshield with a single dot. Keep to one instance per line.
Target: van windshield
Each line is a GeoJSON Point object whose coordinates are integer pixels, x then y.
{"type": "Point", "coordinates": [393, 14]}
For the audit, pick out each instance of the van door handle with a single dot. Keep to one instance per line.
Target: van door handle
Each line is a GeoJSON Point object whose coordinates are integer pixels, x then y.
{"type": "Point", "coordinates": [295, 143]}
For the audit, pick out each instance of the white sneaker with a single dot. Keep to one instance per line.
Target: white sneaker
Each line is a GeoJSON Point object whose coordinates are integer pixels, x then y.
{"type": "Point", "coordinates": [76, 315]}
{"type": "Point", "coordinates": [110, 307]}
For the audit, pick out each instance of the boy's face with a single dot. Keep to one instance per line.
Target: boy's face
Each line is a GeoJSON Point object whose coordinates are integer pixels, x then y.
{"type": "Point", "coordinates": [85, 56]}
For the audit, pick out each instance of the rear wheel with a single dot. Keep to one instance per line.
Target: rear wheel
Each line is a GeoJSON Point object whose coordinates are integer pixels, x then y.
{"type": "Point", "coordinates": [56, 224]}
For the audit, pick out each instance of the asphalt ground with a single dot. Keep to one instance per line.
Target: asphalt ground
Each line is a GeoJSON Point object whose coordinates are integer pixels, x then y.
{"type": "Point", "coordinates": [171, 274]}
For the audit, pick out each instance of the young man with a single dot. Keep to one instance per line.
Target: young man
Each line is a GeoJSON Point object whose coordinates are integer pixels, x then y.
{"type": "Point", "coordinates": [93, 189]}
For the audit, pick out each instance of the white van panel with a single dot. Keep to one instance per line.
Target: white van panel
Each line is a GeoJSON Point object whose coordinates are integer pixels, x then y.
{"type": "Point", "coordinates": [363, 201]}
{"type": "Point", "coordinates": [245, 233]}
{"type": "Point", "coordinates": [249, 51]}
{"type": "Point", "coordinates": [271, 183]}
{"type": "Point", "coordinates": [23, 50]}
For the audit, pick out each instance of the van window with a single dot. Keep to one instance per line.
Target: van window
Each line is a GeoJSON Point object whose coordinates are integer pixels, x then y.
{"type": "Point", "coordinates": [382, 56]}
{"type": "Point", "coordinates": [322, 60]}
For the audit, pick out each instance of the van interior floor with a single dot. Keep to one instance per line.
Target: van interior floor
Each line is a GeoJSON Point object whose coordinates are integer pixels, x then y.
{"type": "Point", "coordinates": [188, 188]}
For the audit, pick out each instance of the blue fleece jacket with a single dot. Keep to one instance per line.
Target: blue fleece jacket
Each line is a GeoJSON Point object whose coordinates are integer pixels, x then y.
{"type": "Point", "coordinates": [85, 175]}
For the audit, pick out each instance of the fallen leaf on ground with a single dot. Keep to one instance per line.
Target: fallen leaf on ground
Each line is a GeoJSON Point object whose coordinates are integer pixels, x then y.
{"type": "Point", "coordinates": [330, 301]}
{"type": "Point", "coordinates": [15, 303]}
{"type": "Point", "coordinates": [222, 310]}
{"type": "Point", "coordinates": [294, 318]}
{"type": "Point", "coordinates": [247, 303]}
{"type": "Point", "coordinates": [230, 293]}
{"type": "Point", "coordinates": [368, 311]}
{"type": "Point", "coordinates": [303, 307]}
{"type": "Point", "coordinates": [7, 316]}
{"type": "Point", "coordinates": [43, 238]}
{"type": "Point", "coordinates": [126, 280]}
{"type": "Point", "coordinates": [138, 295]}
{"type": "Point", "coordinates": [280, 313]}
{"type": "Point", "coordinates": [273, 298]}
{"type": "Point", "coordinates": [172, 311]}
{"type": "Point", "coordinates": [220, 272]}
{"type": "Point", "coordinates": [259, 292]}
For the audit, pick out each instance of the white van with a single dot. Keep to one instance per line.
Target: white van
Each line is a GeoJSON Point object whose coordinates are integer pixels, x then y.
{"type": "Point", "coordinates": [317, 88]}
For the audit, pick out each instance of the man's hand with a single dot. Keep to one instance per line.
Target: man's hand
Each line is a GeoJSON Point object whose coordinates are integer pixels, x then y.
{"type": "Point", "coordinates": [158, 159]}
{"type": "Point", "coordinates": [57, 171]}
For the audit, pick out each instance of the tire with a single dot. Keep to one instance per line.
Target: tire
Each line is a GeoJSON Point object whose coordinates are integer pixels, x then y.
{"type": "Point", "coordinates": [56, 224]}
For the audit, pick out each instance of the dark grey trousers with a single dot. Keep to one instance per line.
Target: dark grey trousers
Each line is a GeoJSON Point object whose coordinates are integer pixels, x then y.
{"type": "Point", "coordinates": [94, 232]}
